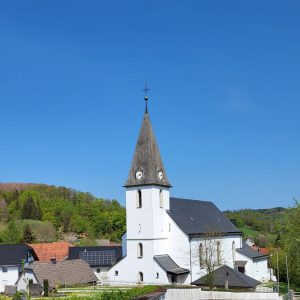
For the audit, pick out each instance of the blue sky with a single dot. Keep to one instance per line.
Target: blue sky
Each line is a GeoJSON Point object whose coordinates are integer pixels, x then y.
{"type": "Point", "coordinates": [224, 99]}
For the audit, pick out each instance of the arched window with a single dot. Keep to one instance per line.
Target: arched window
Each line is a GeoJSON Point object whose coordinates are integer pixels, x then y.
{"type": "Point", "coordinates": [139, 199]}
{"type": "Point", "coordinates": [139, 228]}
{"type": "Point", "coordinates": [233, 251]}
{"type": "Point", "coordinates": [161, 199]}
{"type": "Point", "coordinates": [140, 250]}
{"type": "Point", "coordinates": [201, 256]}
{"type": "Point", "coordinates": [140, 277]}
{"type": "Point", "coordinates": [218, 253]}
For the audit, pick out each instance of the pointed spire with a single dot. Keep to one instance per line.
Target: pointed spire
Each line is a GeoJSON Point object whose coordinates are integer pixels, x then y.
{"type": "Point", "coordinates": [147, 167]}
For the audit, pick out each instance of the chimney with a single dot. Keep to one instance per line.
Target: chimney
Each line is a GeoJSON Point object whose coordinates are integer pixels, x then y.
{"type": "Point", "coordinates": [53, 260]}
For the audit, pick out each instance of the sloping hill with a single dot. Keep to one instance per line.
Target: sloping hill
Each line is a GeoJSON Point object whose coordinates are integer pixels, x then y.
{"type": "Point", "coordinates": [262, 225]}
{"type": "Point", "coordinates": [26, 209]}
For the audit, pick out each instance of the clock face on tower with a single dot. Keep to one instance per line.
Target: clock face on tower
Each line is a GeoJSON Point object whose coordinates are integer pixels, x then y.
{"type": "Point", "coordinates": [160, 175]}
{"type": "Point", "coordinates": [139, 175]}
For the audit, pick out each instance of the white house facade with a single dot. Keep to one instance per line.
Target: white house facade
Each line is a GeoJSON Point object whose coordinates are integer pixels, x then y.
{"type": "Point", "coordinates": [169, 240]}
{"type": "Point", "coordinates": [12, 260]}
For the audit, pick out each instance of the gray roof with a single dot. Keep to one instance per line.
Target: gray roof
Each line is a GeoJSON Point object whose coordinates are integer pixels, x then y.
{"type": "Point", "coordinates": [168, 264]}
{"type": "Point", "coordinates": [97, 256]}
{"type": "Point", "coordinates": [235, 279]}
{"type": "Point", "coordinates": [147, 159]}
{"type": "Point", "coordinates": [68, 272]}
{"type": "Point", "coordinates": [196, 217]}
{"type": "Point", "coordinates": [251, 253]}
{"type": "Point", "coordinates": [13, 254]}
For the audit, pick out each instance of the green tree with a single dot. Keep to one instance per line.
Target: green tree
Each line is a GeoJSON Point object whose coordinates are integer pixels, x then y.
{"type": "Point", "coordinates": [28, 236]}
{"type": "Point", "coordinates": [3, 211]}
{"type": "Point", "coordinates": [30, 210]}
{"type": "Point", "coordinates": [291, 241]}
{"type": "Point", "coordinates": [13, 234]}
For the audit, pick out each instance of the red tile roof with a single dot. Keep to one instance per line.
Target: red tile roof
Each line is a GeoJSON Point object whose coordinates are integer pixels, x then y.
{"type": "Point", "coordinates": [264, 251]}
{"type": "Point", "coordinates": [46, 251]}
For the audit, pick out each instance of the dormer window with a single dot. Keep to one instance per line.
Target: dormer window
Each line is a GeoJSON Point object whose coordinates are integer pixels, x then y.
{"type": "Point", "coordinates": [139, 199]}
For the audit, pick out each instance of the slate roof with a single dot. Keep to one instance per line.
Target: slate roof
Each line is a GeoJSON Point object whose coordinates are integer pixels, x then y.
{"type": "Point", "coordinates": [46, 251]}
{"type": "Point", "coordinates": [196, 217]}
{"type": "Point", "coordinates": [12, 254]}
{"type": "Point", "coordinates": [249, 252]}
{"type": "Point", "coordinates": [147, 159]}
{"type": "Point", "coordinates": [97, 256]}
{"type": "Point", "coordinates": [235, 279]}
{"type": "Point", "coordinates": [168, 264]}
{"type": "Point", "coordinates": [67, 272]}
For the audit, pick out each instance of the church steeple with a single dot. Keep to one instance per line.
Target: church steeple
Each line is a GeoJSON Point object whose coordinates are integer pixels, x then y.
{"type": "Point", "coordinates": [147, 167]}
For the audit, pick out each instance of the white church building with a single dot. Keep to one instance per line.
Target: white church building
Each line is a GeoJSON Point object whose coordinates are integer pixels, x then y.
{"type": "Point", "coordinates": [171, 240]}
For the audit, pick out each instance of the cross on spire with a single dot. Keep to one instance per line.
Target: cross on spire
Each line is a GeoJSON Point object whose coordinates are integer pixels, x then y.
{"type": "Point", "coordinates": [146, 90]}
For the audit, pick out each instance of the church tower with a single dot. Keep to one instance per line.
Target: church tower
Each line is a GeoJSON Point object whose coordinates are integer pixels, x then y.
{"type": "Point", "coordinates": [147, 200]}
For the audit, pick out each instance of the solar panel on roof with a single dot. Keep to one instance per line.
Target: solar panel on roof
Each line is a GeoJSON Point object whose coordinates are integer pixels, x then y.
{"type": "Point", "coordinates": [97, 258]}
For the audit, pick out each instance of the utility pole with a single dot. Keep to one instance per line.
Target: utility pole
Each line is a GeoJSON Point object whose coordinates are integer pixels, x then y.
{"type": "Point", "coordinates": [277, 274]}
{"type": "Point", "coordinates": [287, 272]}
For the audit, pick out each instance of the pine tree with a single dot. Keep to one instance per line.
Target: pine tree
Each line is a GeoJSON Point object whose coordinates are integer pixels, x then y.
{"type": "Point", "coordinates": [28, 236]}
{"type": "Point", "coordinates": [28, 209]}
{"type": "Point", "coordinates": [3, 211]}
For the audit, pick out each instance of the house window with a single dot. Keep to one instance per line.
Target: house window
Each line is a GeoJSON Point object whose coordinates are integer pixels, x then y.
{"type": "Point", "coordinates": [140, 228]}
{"type": "Point", "coordinates": [161, 199]}
{"type": "Point", "coordinates": [157, 275]}
{"type": "Point", "coordinates": [140, 277]}
{"type": "Point", "coordinates": [98, 270]}
{"type": "Point", "coordinates": [4, 269]}
{"type": "Point", "coordinates": [139, 199]}
{"type": "Point", "coordinates": [233, 251]}
{"type": "Point", "coordinates": [116, 273]}
{"type": "Point", "coordinates": [169, 227]}
{"type": "Point", "coordinates": [201, 256]}
{"type": "Point", "coordinates": [140, 250]}
{"type": "Point", "coordinates": [218, 253]}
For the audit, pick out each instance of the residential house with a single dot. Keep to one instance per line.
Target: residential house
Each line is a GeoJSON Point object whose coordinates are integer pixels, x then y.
{"type": "Point", "coordinates": [13, 258]}
{"type": "Point", "coordinates": [100, 258]}
{"type": "Point", "coordinates": [58, 273]}
{"type": "Point", "coordinates": [47, 251]}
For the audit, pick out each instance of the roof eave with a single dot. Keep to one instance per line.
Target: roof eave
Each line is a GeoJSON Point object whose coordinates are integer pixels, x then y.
{"type": "Point", "coordinates": [201, 234]}
{"type": "Point", "coordinates": [147, 184]}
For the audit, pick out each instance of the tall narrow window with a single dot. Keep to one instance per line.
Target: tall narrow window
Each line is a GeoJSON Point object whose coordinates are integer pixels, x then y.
{"type": "Point", "coordinates": [233, 251]}
{"type": "Point", "coordinates": [140, 250]}
{"type": "Point", "coordinates": [139, 199]}
{"type": "Point", "coordinates": [201, 256]}
{"type": "Point", "coordinates": [161, 199]}
{"type": "Point", "coordinates": [140, 277]}
{"type": "Point", "coordinates": [218, 253]}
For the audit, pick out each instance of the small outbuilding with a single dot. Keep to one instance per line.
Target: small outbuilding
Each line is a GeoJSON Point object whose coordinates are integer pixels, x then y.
{"type": "Point", "coordinates": [226, 276]}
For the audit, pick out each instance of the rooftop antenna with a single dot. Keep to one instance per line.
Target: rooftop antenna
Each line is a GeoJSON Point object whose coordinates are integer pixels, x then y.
{"type": "Point", "coordinates": [146, 90]}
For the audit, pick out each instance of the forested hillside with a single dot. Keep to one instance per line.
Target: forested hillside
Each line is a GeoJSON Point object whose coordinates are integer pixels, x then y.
{"type": "Point", "coordinates": [277, 229]}
{"type": "Point", "coordinates": [264, 226]}
{"type": "Point", "coordinates": [42, 213]}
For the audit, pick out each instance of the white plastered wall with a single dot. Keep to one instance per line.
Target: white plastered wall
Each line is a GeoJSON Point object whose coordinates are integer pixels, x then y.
{"type": "Point", "coordinates": [8, 278]}
{"type": "Point", "coordinates": [227, 252]}
{"type": "Point", "coordinates": [24, 280]}
{"type": "Point", "coordinates": [257, 269]}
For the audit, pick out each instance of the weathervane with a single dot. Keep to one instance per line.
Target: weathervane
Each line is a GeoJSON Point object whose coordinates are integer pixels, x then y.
{"type": "Point", "coordinates": [146, 90]}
